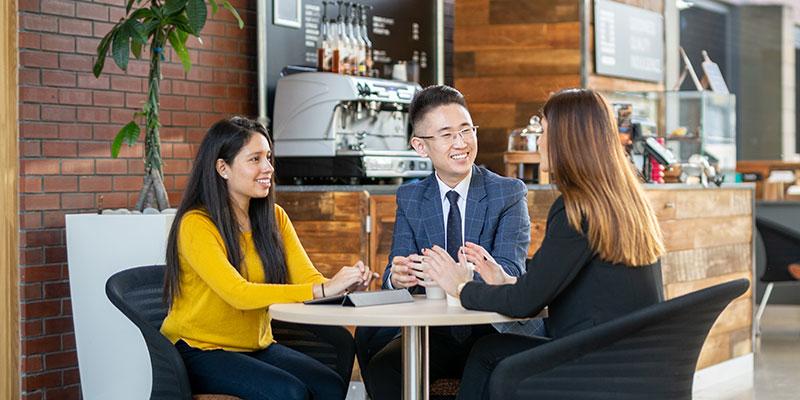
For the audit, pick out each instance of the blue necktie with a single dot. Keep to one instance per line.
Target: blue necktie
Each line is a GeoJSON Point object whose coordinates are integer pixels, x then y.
{"type": "Point", "coordinates": [453, 225]}
{"type": "Point", "coordinates": [459, 333]}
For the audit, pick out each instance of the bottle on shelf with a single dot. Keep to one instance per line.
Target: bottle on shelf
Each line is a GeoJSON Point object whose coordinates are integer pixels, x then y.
{"type": "Point", "coordinates": [344, 45]}
{"type": "Point", "coordinates": [359, 59]}
{"type": "Point", "coordinates": [324, 51]}
{"type": "Point", "coordinates": [365, 37]}
{"type": "Point", "coordinates": [336, 55]}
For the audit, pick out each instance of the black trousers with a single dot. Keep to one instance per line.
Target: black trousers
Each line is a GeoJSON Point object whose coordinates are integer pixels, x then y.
{"type": "Point", "coordinates": [380, 355]}
{"type": "Point", "coordinates": [486, 354]}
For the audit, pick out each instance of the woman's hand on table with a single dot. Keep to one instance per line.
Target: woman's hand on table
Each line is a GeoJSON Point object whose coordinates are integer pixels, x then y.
{"type": "Point", "coordinates": [347, 279]}
{"type": "Point", "coordinates": [443, 270]}
{"type": "Point", "coordinates": [366, 277]}
{"type": "Point", "coordinates": [491, 272]}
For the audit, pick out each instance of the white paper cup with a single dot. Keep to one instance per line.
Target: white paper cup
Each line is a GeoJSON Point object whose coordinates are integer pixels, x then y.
{"type": "Point", "coordinates": [434, 292]}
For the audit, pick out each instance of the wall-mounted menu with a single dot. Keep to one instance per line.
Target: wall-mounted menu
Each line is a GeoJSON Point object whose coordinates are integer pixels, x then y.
{"type": "Point", "coordinates": [365, 37]}
{"type": "Point", "coordinates": [628, 41]}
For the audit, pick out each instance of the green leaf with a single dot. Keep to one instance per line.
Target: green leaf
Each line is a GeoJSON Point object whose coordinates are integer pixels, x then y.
{"type": "Point", "coordinates": [196, 12]}
{"type": "Point", "coordinates": [102, 51]}
{"type": "Point", "coordinates": [136, 49]}
{"type": "Point", "coordinates": [180, 48]}
{"type": "Point", "coordinates": [214, 6]}
{"type": "Point", "coordinates": [136, 29]}
{"type": "Point", "coordinates": [181, 22]}
{"type": "Point", "coordinates": [150, 26]}
{"type": "Point", "coordinates": [121, 47]}
{"type": "Point", "coordinates": [230, 8]}
{"type": "Point", "coordinates": [142, 13]}
{"type": "Point", "coordinates": [129, 134]}
{"type": "Point", "coordinates": [128, 7]}
{"type": "Point", "coordinates": [172, 7]}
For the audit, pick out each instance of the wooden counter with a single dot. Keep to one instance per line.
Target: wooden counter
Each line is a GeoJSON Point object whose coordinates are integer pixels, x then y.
{"type": "Point", "coordinates": [708, 233]}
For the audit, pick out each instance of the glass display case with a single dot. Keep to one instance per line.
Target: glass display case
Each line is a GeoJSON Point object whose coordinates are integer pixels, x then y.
{"type": "Point", "coordinates": [690, 122]}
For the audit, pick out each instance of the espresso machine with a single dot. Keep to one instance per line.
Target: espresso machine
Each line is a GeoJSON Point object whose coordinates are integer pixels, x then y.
{"type": "Point", "coordinates": [343, 129]}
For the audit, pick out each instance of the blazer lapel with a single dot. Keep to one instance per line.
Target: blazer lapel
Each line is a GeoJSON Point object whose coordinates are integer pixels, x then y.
{"type": "Point", "coordinates": [476, 207]}
{"type": "Point", "coordinates": [432, 219]}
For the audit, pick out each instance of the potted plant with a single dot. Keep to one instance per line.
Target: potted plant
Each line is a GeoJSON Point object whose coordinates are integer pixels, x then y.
{"type": "Point", "coordinates": [158, 23]}
{"type": "Point", "coordinates": [114, 363]}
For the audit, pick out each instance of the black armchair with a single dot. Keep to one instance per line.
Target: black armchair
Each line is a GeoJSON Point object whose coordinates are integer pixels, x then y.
{"type": "Point", "coordinates": [782, 247]}
{"type": "Point", "coordinates": [651, 353]}
{"type": "Point", "coordinates": [137, 292]}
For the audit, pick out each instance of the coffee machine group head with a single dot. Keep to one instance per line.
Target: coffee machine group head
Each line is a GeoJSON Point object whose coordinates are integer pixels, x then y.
{"type": "Point", "coordinates": [335, 126]}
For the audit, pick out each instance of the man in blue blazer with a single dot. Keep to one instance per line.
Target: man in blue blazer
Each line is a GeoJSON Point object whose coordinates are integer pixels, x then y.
{"type": "Point", "coordinates": [458, 203]}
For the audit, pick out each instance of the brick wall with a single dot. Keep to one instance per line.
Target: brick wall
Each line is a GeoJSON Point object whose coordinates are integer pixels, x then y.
{"type": "Point", "coordinates": [67, 121]}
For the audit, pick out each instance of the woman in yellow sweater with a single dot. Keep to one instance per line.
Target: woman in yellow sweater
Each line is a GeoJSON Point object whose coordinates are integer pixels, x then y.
{"type": "Point", "coordinates": [232, 252]}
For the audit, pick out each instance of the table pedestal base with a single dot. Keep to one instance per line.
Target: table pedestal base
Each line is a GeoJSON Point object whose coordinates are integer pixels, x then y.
{"type": "Point", "coordinates": [415, 363]}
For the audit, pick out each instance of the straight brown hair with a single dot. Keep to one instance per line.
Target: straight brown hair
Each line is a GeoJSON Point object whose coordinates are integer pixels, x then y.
{"type": "Point", "coordinates": [598, 182]}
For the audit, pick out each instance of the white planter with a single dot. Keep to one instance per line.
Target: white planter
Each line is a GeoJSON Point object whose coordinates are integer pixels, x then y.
{"type": "Point", "coordinates": [112, 356]}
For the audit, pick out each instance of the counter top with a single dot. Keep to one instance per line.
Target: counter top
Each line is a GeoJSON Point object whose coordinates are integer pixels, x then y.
{"type": "Point", "coordinates": [391, 189]}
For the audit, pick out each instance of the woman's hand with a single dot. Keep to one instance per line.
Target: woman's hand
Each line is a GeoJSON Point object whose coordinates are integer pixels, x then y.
{"type": "Point", "coordinates": [347, 278]}
{"type": "Point", "coordinates": [443, 270]}
{"type": "Point", "coordinates": [366, 277]}
{"type": "Point", "coordinates": [491, 272]}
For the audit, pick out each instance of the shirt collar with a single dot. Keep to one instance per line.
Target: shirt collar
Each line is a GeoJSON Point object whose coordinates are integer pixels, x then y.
{"type": "Point", "coordinates": [462, 188]}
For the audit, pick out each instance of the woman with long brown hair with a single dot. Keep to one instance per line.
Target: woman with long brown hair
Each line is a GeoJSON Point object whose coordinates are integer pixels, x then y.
{"type": "Point", "coordinates": [599, 259]}
{"type": "Point", "coordinates": [231, 253]}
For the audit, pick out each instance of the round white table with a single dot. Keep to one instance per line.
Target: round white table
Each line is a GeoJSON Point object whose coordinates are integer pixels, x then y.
{"type": "Point", "coordinates": [413, 319]}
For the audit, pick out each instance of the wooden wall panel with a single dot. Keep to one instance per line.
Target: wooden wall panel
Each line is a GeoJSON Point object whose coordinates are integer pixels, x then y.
{"type": "Point", "coordinates": [513, 54]}
{"type": "Point", "coordinates": [509, 56]}
{"type": "Point", "coordinates": [9, 205]}
{"type": "Point", "coordinates": [708, 235]}
{"type": "Point", "coordinates": [382, 210]}
{"type": "Point", "coordinates": [330, 225]}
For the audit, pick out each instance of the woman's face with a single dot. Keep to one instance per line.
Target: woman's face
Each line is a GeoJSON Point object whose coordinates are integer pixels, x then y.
{"type": "Point", "coordinates": [544, 162]}
{"type": "Point", "coordinates": [250, 174]}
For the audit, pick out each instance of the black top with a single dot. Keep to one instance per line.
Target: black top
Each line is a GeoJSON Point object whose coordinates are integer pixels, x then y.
{"type": "Point", "coordinates": [580, 289]}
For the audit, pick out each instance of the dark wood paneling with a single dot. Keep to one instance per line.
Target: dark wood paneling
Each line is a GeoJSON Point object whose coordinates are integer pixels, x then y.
{"type": "Point", "coordinates": [331, 227]}
{"type": "Point", "coordinates": [509, 57]}
{"type": "Point", "coordinates": [562, 35]}
{"type": "Point", "coordinates": [708, 234]}
{"type": "Point", "coordinates": [533, 11]}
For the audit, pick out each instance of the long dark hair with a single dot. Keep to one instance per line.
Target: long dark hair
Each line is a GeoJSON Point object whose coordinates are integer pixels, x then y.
{"type": "Point", "coordinates": [591, 170]}
{"type": "Point", "coordinates": [207, 191]}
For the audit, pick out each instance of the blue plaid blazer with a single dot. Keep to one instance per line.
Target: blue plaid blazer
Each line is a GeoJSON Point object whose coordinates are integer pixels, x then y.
{"type": "Point", "coordinates": [496, 218]}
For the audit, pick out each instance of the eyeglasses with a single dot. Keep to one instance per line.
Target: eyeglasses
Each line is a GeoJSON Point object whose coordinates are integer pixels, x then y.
{"type": "Point", "coordinates": [467, 134]}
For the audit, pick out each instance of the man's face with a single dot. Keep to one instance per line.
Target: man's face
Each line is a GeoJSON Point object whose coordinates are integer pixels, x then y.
{"type": "Point", "coordinates": [444, 135]}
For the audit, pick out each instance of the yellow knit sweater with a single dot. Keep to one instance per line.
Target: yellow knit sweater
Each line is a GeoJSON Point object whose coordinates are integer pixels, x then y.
{"type": "Point", "coordinates": [220, 308]}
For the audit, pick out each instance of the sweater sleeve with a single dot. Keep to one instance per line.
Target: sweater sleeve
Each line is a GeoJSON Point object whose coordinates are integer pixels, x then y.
{"type": "Point", "coordinates": [202, 250]}
{"type": "Point", "coordinates": [299, 266]}
{"type": "Point", "coordinates": [563, 253]}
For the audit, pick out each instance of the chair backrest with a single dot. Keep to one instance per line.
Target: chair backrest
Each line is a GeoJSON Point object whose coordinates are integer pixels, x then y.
{"type": "Point", "coordinates": [782, 246]}
{"type": "Point", "coordinates": [137, 292]}
{"type": "Point", "coordinates": [651, 353]}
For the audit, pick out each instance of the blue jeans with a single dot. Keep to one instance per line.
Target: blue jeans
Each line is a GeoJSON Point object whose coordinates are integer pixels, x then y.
{"type": "Point", "coordinates": [276, 372]}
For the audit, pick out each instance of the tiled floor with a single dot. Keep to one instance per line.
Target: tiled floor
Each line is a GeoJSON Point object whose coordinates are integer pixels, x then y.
{"type": "Point", "coordinates": [777, 362]}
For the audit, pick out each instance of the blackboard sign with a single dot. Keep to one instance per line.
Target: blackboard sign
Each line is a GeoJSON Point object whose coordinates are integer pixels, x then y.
{"type": "Point", "coordinates": [399, 30]}
{"type": "Point", "coordinates": [628, 41]}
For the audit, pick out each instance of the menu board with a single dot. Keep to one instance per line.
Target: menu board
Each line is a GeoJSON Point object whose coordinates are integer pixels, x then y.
{"type": "Point", "coordinates": [399, 31]}
{"type": "Point", "coordinates": [628, 41]}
